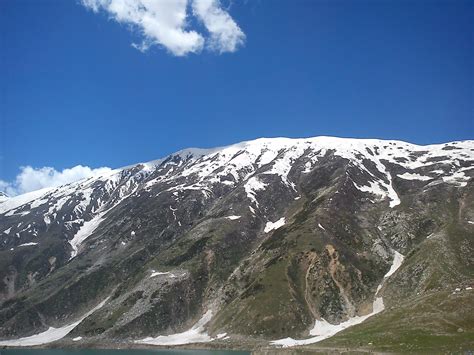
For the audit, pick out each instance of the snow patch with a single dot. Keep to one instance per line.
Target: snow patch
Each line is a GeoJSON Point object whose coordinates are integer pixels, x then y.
{"type": "Point", "coordinates": [50, 335]}
{"type": "Point", "coordinates": [274, 225]}
{"type": "Point", "coordinates": [157, 273]}
{"type": "Point", "coordinates": [458, 178]}
{"type": "Point", "coordinates": [27, 244]}
{"type": "Point", "coordinates": [413, 176]}
{"type": "Point", "coordinates": [253, 184]}
{"type": "Point", "coordinates": [375, 188]}
{"type": "Point", "coordinates": [196, 334]}
{"type": "Point", "coordinates": [233, 218]}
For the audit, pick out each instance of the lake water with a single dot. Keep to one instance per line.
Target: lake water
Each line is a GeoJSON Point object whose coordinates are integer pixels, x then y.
{"type": "Point", "coordinates": [118, 352]}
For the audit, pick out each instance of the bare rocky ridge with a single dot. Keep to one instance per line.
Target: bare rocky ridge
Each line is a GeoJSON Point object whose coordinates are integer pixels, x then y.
{"type": "Point", "coordinates": [267, 235]}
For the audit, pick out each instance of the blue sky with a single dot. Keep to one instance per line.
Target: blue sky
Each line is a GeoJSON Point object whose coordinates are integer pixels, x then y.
{"type": "Point", "coordinates": [73, 89]}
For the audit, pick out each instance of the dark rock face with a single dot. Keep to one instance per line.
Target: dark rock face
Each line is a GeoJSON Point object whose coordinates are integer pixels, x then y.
{"type": "Point", "coordinates": [270, 234]}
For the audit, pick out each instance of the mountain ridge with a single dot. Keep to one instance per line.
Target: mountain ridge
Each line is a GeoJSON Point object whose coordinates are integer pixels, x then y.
{"type": "Point", "coordinates": [200, 152]}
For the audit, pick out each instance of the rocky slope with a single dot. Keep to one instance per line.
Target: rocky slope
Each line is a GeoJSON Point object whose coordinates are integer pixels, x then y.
{"type": "Point", "coordinates": [265, 240]}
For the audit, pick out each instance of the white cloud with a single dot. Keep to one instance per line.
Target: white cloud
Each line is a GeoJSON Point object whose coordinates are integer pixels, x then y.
{"type": "Point", "coordinates": [165, 23]}
{"type": "Point", "coordinates": [226, 36]}
{"type": "Point", "coordinates": [30, 179]}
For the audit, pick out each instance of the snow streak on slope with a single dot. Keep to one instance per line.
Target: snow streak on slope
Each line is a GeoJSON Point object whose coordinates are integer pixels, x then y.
{"type": "Point", "coordinates": [397, 262]}
{"type": "Point", "coordinates": [86, 230]}
{"type": "Point", "coordinates": [323, 329]}
{"type": "Point", "coordinates": [90, 226]}
{"type": "Point", "coordinates": [410, 176]}
{"type": "Point", "coordinates": [28, 244]}
{"type": "Point", "coordinates": [50, 335]}
{"type": "Point", "coordinates": [159, 273]}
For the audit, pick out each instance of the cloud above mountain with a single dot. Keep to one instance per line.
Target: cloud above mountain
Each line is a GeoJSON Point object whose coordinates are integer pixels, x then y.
{"type": "Point", "coordinates": [167, 23]}
{"type": "Point", "coordinates": [30, 179]}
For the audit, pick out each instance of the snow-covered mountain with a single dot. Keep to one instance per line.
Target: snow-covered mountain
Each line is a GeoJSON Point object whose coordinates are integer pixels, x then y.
{"type": "Point", "coordinates": [268, 238]}
{"type": "Point", "coordinates": [3, 196]}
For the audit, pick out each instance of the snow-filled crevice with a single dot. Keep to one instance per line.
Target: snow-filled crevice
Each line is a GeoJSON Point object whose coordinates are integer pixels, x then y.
{"type": "Point", "coordinates": [89, 227]}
